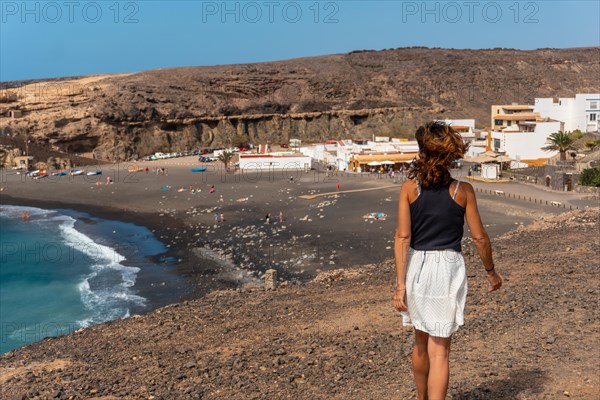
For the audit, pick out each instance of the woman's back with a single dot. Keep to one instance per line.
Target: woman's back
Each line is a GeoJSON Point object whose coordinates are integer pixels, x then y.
{"type": "Point", "coordinates": [437, 219]}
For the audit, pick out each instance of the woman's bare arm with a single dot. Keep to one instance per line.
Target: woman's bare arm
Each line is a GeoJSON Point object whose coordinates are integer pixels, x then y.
{"type": "Point", "coordinates": [481, 238]}
{"type": "Point", "coordinates": [401, 244]}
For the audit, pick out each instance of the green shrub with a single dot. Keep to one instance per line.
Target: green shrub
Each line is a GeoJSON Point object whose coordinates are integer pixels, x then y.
{"type": "Point", "coordinates": [590, 177]}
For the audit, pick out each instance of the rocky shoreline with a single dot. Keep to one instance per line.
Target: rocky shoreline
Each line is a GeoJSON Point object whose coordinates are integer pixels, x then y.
{"type": "Point", "coordinates": [338, 336]}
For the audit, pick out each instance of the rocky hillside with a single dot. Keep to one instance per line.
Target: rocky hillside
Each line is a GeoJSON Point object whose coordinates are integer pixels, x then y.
{"type": "Point", "coordinates": [389, 92]}
{"type": "Point", "coordinates": [339, 337]}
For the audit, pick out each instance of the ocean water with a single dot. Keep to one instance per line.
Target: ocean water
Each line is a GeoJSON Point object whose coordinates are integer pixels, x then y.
{"type": "Point", "coordinates": [63, 270]}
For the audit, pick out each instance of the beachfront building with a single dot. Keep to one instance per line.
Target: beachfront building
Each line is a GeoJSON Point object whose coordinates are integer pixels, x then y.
{"type": "Point", "coordinates": [523, 141]}
{"type": "Point", "coordinates": [355, 155]}
{"type": "Point", "coordinates": [579, 113]}
{"type": "Point", "coordinates": [504, 116]}
{"type": "Point", "coordinates": [383, 152]}
{"type": "Point", "coordinates": [274, 161]}
{"type": "Point", "coordinates": [376, 161]}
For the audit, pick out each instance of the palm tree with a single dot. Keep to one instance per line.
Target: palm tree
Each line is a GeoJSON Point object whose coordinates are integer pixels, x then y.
{"type": "Point", "coordinates": [561, 142]}
{"type": "Point", "coordinates": [225, 157]}
{"type": "Point", "coordinates": [592, 145]}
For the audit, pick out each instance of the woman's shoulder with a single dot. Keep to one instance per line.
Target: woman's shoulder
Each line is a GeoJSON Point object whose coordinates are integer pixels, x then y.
{"type": "Point", "coordinates": [410, 190]}
{"type": "Point", "coordinates": [464, 186]}
{"type": "Point", "coordinates": [410, 181]}
{"type": "Point", "coordinates": [410, 184]}
{"type": "Point", "coordinates": [464, 191]}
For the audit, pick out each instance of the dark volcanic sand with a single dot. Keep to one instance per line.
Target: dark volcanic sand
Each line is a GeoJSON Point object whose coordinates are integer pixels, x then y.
{"type": "Point", "coordinates": [317, 234]}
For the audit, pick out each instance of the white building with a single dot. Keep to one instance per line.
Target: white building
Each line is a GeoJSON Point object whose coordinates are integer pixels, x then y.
{"type": "Point", "coordinates": [524, 141]}
{"type": "Point", "coordinates": [581, 112]}
{"type": "Point", "coordinates": [274, 161]}
{"type": "Point", "coordinates": [341, 153]}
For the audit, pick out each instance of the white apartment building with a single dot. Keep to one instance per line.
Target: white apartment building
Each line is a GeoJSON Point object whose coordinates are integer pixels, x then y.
{"type": "Point", "coordinates": [581, 112]}
{"type": "Point", "coordinates": [524, 141]}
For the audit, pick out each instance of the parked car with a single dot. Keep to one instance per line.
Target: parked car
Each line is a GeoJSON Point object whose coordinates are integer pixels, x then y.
{"type": "Point", "coordinates": [284, 146]}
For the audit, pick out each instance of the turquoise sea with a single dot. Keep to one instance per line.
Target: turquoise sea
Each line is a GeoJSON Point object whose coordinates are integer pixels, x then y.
{"type": "Point", "coordinates": [63, 270]}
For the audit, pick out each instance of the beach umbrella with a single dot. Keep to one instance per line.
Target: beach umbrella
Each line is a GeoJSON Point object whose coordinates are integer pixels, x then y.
{"type": "Point", "coordinates": [374, 163]}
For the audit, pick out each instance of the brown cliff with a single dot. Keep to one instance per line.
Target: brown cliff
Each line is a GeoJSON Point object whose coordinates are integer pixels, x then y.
{"type": "Point", "coordinates": [360, 94]}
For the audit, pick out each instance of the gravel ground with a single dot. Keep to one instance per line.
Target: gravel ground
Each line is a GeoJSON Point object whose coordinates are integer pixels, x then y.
{"type": "Point", "coordinates": [338, 336]}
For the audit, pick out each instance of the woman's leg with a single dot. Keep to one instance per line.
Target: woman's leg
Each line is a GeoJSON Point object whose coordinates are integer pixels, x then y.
{"type": "Point", "coordinates": [438, 349]}
{"type": "Point", "coordinates": [420, 361]}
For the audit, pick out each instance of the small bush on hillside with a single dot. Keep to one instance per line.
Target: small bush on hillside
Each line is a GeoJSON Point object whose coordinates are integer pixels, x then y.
{"type": "Point", "coordinates": [590, 177]}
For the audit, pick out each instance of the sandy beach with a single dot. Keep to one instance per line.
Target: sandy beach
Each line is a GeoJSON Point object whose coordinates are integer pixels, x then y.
{"type": "Point", "coordinates": [314, 225]}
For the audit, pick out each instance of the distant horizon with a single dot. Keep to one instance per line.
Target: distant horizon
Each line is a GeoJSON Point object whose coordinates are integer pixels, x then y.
{"type": "Point", "coordinates": [66, 77]}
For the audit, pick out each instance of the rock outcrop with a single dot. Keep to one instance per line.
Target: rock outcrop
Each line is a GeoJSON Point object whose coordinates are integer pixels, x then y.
{"type": "Point", "coordinates": [360, 94]}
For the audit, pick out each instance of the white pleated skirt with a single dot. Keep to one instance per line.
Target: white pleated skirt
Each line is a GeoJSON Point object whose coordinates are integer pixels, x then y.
{"type": "Point", "coordinates": [436, 291]}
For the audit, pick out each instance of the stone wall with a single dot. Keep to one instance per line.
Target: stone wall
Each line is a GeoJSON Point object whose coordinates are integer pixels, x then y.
{"type": "Point", "coordinates": [562, 177]}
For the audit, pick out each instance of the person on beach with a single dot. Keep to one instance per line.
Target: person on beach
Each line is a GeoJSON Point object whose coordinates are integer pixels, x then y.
{"type": "Point", "coordinates": [268, 218]}
{"type": "Point", "coordinates": [431, 283]}
{"type": "Point", "coordinates": [281, 217]}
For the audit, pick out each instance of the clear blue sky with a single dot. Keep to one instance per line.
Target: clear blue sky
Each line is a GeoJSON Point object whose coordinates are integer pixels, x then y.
{"type": "Point", "coordinates": [41, 39]}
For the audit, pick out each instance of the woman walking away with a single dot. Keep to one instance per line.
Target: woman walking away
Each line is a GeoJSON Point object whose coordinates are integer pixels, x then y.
{"type": "Point", "coordinates": [431, 283]}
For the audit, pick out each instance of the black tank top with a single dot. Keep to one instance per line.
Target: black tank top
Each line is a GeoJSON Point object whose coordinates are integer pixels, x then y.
{"type": "Point", "coordinates": [436, 220]}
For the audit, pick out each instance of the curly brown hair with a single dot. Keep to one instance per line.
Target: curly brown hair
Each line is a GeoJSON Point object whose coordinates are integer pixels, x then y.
{"type": "Point", "coordinates": [439, 146]}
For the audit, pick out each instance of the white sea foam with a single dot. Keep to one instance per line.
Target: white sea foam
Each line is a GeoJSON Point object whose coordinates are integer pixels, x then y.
{"type": "Point", "coordinates": [16, 211]}
{"type": "Point", "coordinates": [104, 302]}
{"type": "Point", "coordinates": [98, 253]}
